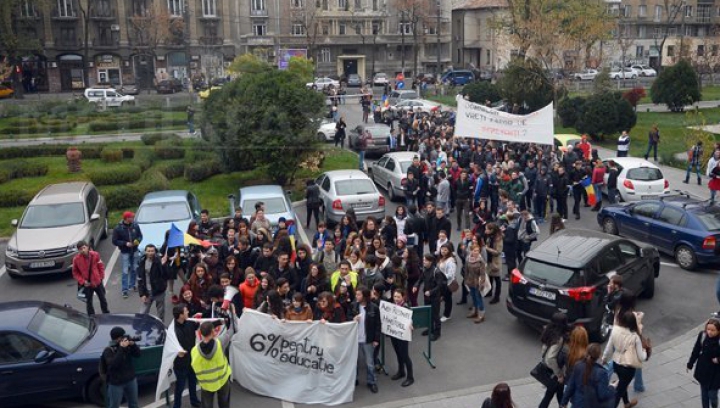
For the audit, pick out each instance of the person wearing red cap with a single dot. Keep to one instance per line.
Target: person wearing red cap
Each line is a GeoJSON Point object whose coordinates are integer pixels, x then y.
{"type": "Point", "coordinates": [127, 237]}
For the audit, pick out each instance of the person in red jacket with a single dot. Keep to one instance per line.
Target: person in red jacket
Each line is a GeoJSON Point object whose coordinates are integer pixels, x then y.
{"type": "Point", "coordinates": [249, 287]}
{"type": "Point", "coordinates": [89, 272]}
{"type": "Point", "coordinates": [598, 179]}
{"type": "Point", "coordinates": [585, 147]}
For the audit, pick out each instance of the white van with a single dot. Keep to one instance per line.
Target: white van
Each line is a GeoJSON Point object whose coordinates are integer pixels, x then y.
{"type": "Point", "coordinates": [111, 96]}
{"type": "Point", "coordinates": [400, 95]}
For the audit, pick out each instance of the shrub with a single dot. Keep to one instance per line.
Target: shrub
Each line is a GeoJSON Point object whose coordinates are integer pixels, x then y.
{"type": "Point", "coordinates": [171, 169]}
{"type": "Point", "coordinates": [169, 149]}
{"type": "Point", "coordinates": [88, 151]}
{"type": "Point", "coordinates": [199, 171]}
{"type": "Point", "coordinates": [128, 152]}
{"type": "Point", "coordinates": [634, 95]}
{"type": "Point", "coordinates": [677, 86]}
{"type": "Point", "coordinates": [144, 158]}
{"type": "Point", "coordinates": [570, 109]}
{"type": "Point", "coordinates": [151, 139]}
{"type": "Point", "coordinates": [20, 122]}
{"type": "Point", "coordinates": [131, 195]}
{"type": "Point", "coordinates": [111, 155]}
{"type": "Point", "coordinates": [16, 198]}
{"type": "Point", "coordinates": [482, 91]}
{"type": "Point", "coordinates": [20, 168]}
{"type": "Point", "coordinates": [113, 175]}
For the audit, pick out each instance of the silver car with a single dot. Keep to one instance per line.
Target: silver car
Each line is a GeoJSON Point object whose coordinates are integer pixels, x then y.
{"type": "Point", "coordinates": [341, 190]}
{"type": "Point", "coordinates": [46, 238]}
{"type": "Point", "coordinates": [159, 210]}
{"type": "Point", "coordinates": [390, 172]}
{"type": "Point", "coordinates": [277, 202]}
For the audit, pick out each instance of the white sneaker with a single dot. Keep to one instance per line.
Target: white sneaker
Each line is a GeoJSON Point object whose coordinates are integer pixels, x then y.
{"type": "Point", "coordinates": [444, 319]}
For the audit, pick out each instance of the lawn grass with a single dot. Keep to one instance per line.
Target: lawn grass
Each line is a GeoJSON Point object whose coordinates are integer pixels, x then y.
{"type": "Point", "coordinates": [211, 192]}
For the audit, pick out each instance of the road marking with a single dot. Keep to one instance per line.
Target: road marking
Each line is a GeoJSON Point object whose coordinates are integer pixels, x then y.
{"type": "Point", "coordinates": [2, 271]}
{"type": "Point", "coordinates": [670, 264]}
{"type": "Point", "coordinates": [301, 230]}
{"type": "Point", "coordinates": [286, 404]}
{"type": "Point", "coordinates": [111, 265]}
{"type": "Point", "coordinates": [161, 402]}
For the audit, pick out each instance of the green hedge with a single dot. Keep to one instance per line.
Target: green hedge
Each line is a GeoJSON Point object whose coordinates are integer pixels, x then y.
{"type": "Point", "coordinates": [39, 128]}
{"type": "Point", "coordinates": [169, 149]}
{"type": "Point", "coordinates": [128, 152]}
{"type": "Point", "coordinates": [19, 122]}
{"type": "Point", "coordinates": [15, 197]}
{"type": "Point", "coordinates": [171, 169]}
{"type": "Point", "coordinates": [131, 195]}
{"type": "Point", "coordinates": [111, 155]}
{"type": "Point", "coordinates": [88, 151]}
{"type": "Point", "coordinates": [21, 168]}
{"type": "Point", "coordinates": [117, 174]}
{"type": "Point", "coordinates": [144, 158]}
{"type": "Point", "coordinates": [201, 170]}
{"type": "Point", "coordinates": [132, 124]}
{"type": "Point", "coordinates": [150, 139]}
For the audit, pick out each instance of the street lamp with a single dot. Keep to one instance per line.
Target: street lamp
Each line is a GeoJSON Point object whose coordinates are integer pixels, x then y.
{"type": "Point", "coordinates": [437, 32]}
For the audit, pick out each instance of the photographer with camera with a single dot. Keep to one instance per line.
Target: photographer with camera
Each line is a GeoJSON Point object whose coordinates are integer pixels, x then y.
{"type": "Point", "coordinates": [116, 369]}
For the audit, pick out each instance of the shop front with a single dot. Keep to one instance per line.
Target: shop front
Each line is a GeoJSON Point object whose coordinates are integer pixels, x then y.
{"type": "Point", "coordinates": [177, 65]}
{"type": "Point", "coordinates": [71, 72]}
{"type": "Point", "coordinates": [108, 69]}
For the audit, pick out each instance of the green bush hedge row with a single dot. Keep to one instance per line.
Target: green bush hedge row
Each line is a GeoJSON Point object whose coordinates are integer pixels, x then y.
{"type": "Point", "coordinates": [116, 174]}
{"type": "Point", "coordinates": [169, 149]}
{"type": "Point", "coordinates": [21, 168]}
{"type": "Point", "coordinates": [131, 195]}
{"type": "Point", "coordinates": [199, 171]}
{"type": "Point", "coordinates": [16, 197]}
{"type": "Point", "coordinates": [111, 155]}
{"type": "Point", "coordinates": [98, 126]}
{"type": "Point", "coordinates": [150, 139]}
{"type": "Point", "coordinates": [171, 169]}
{"type": "Point", "coordinates": [64, 126]}
{"type": "Point", "coordinates": [88, 151]}
{"type": "Point", "coordinates": [144, 158]}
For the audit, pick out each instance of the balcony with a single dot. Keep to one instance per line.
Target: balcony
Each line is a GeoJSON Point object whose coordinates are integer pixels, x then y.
{"type": "Point", "coordinates": [68, 43]}
{"type": "Point", "coordinates": [259, 13]}
{"type": "Point", "coordinates": [64, 15]}
{"type": "Point", "coordinates": [106, 14]}
{"type": "Point", "coordinates": [105, 43]}
{"type": "Point", "coordinates": [210, 40]}
{"type": "Point", "coordinates": [260, 41]}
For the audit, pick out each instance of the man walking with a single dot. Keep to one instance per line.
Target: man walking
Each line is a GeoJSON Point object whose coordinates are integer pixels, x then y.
{"type": "Point", "coordinates": [434, 282]}
{"type": "Point", "coordinates": [185, 333]}
{"type": "Point", "coordinates": [623, 144]}
{"type": "Point", "coordinates": [89, 272]}
{"type": "Point", "coordinates": [117, 368]}
{"type": "Point", "coordinates": [312, 202]}
{"type": "Point", "coordinates": [367, 314]}
{"type": "Point", "coordinates": [211, 368]}
{"type": "Point", "coordinates": [151, 272]}
{"type": "Point", "coordinates": [463, 192]}
{"type": "Point", "coordinates": [127, 237]}
{"type": "Point", "coordinates": [362, 145]}
{"type": "Point", "coordinates": [653, 141]}
{"type": "Point", "coordinates": [694, 160]}
{"type": "Point", "coordinates": [191, 119]}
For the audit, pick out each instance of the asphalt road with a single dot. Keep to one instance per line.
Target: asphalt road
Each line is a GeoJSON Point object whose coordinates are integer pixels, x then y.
{"type": "Point", "coordinates": [467, 355]}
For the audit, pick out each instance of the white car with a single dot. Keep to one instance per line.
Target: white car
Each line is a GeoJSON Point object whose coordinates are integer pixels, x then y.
{"type": "Point", "coordinates": [322, 83]}
{"type": "Point", "coordinates": [413, 105]}
{"type": "Point", "coordinates": [586, 75]}
{"type": "Point", "coordinates": [638, 179]}
{"type": "Point", "coordinates": [109, 96]}
{"type": "Point", "coordinates": [390, 171]}
{"type": "Point", "coordinates": [644, 70]}
{"type": "Point", "coordinates": [341, 190]}
{"type": "Point", "coordinates": [623, 73]}
{"type": "Point", "coordinates": [326, 132]}
{"type": "Point", "coordinates": [380, 79]}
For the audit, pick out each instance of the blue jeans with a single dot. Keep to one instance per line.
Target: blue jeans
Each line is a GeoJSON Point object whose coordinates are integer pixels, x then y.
{"type": "Point", "coordinates": [191, 126]}
{"type": "Point", "coordinates": [115, 394]}
{"type": "Point", "coordinates": [598, 193]}
{"type": "Point", "coordinates": [367, 351]}
{"type": "Point", "coordinates": [361, 162]}
{"type": "Point", "coordinates": [129, 270]}
{"type": "Point", "coordinates": [689, 170]}
{"type": "Point", "coordinates": [477, 299]}
{"type": "Point", "coordinates": [708, 397]}
{"type": "Point", "coordinates": [653, 147]}
{"type": "Point", "coordinates": [411, 201]}
{"type": "Point", "coordinates": [638, 384]}
{"type": "Point", "coordinates": [183, 377]}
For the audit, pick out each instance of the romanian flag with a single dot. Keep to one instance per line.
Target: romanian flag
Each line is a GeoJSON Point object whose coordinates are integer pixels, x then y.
{"type": "Point", "coordinates": [385, 101]}
{"type": "Point", "coordinates": [178, 238]}
{"type": "Point", "coordinates": [590, 190]}
{"type": "Point", "coordinates": [291, 232]}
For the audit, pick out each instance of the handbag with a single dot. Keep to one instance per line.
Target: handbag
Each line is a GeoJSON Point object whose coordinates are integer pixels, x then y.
{"type": "Point", "coordinates": [647, 345]}
{"type": "Point", "coordinates": [486, 287]}
{"type": "Point", "coordinates": [543, 373]}
{"type": "Point", "coordinates": [454, 286]}
{"type": "Point", "coordinates": [81, 295]}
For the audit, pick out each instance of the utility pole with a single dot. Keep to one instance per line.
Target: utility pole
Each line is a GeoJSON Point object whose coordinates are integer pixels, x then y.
{"type": "Point", "coordinates": [437, 32]}
{"type": "Point", "coordinates": [186, 39]}
{"type": "Point", "coordinates": [402, 39]}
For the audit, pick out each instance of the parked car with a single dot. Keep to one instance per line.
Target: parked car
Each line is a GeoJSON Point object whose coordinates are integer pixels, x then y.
{"type": "Point", "coordinates": [458, 77]}
{"type": "Point", "coordinates": [341, 190]}
{"type": "Point", "coordinates": [586, 75]}
{"type": "Point", "coordinates": [623, 73]}
{"type": "Point", "coordinates": [204, 94]}
{"type": "Point", "coordinates": [169, 86]}
{"type": "Point", "coordinates": [413, 105]}
{"type": "Point", "coordinates": [638, 179]}
{"type": "Point", "coordinates": [54, 221]}
{"type": "Point", "coordinates": [679, 226]}
{"type": "Point", "coordinates": [353, 80]}
{"type": "Point", "coordinates": [110, 96]}
{"type": "Point", "coordinates": [130, 89]}
{"type": "Point", "coordinates": [322, 83]}
{"type": "Point", "coordinates": [562, 141]}
{"type": "Point", "coordinates": [400, 95]}
{"type": "Point", "coordinates": [160, 209]}
{"type": "Point", "coordinates": [380, 142]}
{"type": "Point", "coordinates": [380, 79]}
{"type": "Point", "coordinates": [390, 172]}
{"type": "Point", "coordinates": [644, 70]}
{"type": "Point", "coordinates": [326, 131]}
{"type": "Point", "coordinates": [569, 272]}
{"type": "Point", "coordinates": [50, 352]}
{"type": "Point", "coordinates": [6, 92]}
{"type": "Point", "coordinates": [277, 202]}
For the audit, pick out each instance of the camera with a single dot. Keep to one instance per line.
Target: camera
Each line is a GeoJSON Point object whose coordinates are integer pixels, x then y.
{"type": "Point", "coordinates": [134, 339]}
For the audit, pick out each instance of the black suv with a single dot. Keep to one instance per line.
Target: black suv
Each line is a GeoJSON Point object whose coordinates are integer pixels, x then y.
{"type": "Point", "coordinates": [569, 272]}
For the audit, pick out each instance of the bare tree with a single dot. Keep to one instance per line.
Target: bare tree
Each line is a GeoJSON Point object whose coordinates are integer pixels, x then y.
{"type": "Point", "coordinates": [416, 13]}
{"type": "Point", "coordinates": [671, 10]}
{"type": "Point", "coordinates": [309, 19]}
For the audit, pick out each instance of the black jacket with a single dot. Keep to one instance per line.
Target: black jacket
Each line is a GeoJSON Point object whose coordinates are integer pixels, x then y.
{"type": "Point", "coordinates": [415, 224]}
{"type": "Point", "coordinates": [185, 333]}
{"type": "Point", "coordinates": [612, 178]}
{"type": "Point", "coordinates": [463, 189]}
{"type": "Point", "coordinates": [706, 372]}
{"type": "Point", "coordinates": [372, 320]}
{"type": "Point", "coordinates": [312, 195]}
{"type": "Point", "coordinates": [118, 362]}
{"type": "Point", "coordinates": [263, 263]}
{"type": "Point", "coordinates": [156, 277]}
{"type": "Point", "coordinates": [433, 281]}
{"type": "Point", "coordinates": [247, 258]}
{"type": "Point", "coordinates": [560, 185]}
{"type": "Point", "coordinates": [542, 185]}
{"type": "Point", "coordinates": [411, 187]}
{"type": "Point", "coordinates": [124, 233]}
{"type": "Point", "coordinates": [435, 225]}
{"type": "Point", "coordinates": [288, 273]}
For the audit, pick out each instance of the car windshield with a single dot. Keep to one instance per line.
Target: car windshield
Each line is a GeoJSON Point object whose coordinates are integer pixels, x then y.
{"type": "Point", "coordinates": [274, 205]}
{"type": "Point", "coordinates": [547, 273]}
{"type": "Point", "coordinates": [64, 327]}
{"type": "Point", "coordinates": [710, 220]}
{"type": "Point", "coordinates": [162, 212]}
{"type": "Point", "coordinates": [53, 215]}
{"type": "Point", "coordinates": [354, 187]}
{"type": "Point", "coordinates": [644, 174]}
{"type": "Point", "coordinates": [404, 166]}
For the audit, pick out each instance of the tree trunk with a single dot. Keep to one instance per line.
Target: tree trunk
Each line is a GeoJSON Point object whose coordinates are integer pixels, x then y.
{"type": "Point", "coordinates": [16, 78]}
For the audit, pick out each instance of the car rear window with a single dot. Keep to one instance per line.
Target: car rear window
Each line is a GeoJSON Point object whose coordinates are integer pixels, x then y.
{"type": "Point", "coordinates": [162, 212]}
{"type": "Point", "coordinates": [644, 174]}
{"type": "Point", "coordinates": [354, 187]}
{"type": "Point", "coordinates": [710, 220]}
{"type": "Point", "coordinates": [275, 205]}
{"type": "Point", "coordinates": [550, 274]}
{"type": "Point", "coordinates": [53, 215]}
{"type": "Point", "coordinates": [62, 327]}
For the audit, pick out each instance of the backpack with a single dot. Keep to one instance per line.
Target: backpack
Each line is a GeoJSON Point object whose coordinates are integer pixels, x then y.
{"type": "Point", "coordinates": [103, 366]}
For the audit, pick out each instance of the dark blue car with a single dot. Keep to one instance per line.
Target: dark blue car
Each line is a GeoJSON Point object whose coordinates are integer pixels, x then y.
{"type": "Point", "coordinates": [50, 352]}
{"type": "Point", "coordinates": [684, 228]}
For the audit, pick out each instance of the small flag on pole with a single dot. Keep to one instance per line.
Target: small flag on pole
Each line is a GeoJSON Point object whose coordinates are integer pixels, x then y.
{"type": "Point", "coordinates": [590, 190]}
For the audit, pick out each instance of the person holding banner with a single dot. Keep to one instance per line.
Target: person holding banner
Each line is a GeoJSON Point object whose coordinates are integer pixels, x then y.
{"type": "Point", "coordinates": [402, 347]}
{"type": "Point", "coordinates": [185, 332]}
{"type": "Point", "coordinates": [367, 314]}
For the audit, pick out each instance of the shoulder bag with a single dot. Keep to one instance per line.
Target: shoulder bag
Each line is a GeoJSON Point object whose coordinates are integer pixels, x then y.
{"type": "Point", "coordinates": [81, 290]}
{"type": "Point", "coordinates": [542, 372]}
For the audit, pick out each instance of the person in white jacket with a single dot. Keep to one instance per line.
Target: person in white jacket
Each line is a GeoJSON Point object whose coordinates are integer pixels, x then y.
{"type": "Point", "coordinates": [627, 351]}
{"type": "Point", "coordinates": [712, 163]}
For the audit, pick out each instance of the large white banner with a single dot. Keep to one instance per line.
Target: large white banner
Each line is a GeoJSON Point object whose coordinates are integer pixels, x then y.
{"type": "Point", "coordinates": [480, 122]}
{"type": "Point", "coordinates": [396, 321]}
{"type": "Point", "coordinates": [308, 363]}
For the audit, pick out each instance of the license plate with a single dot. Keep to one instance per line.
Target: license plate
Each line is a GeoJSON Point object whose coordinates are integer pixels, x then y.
{"type": "Point", "coordinates": [360, 205]}
{"type": "Point", "coordinates": [542, 294]}
{"type": "Point", "coordinates": [44, 264]}
{"type": "Point", "coordinates": [649, 197]}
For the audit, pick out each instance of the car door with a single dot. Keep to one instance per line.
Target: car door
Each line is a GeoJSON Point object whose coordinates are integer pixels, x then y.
{"type": "Point", "coordinates": [642, 217]}
{"type": "Point", "coordinates": [194, 206]}
{"type": "Point", "coordinates": [667, 229]}
{"type": "Point", "coordinates": [632, 266]}
{"type": "Point", "coordinates": [324, 183]}
{"type": "Point", "coordinates": [389, 172]}
{"type": "Point", "coordinates": [91, 202]}
{"type": "Point", "coordinates": [378, 173]}
{"type": "Point", "coordinates": [112, 98]}
{"type": "Point", "coordinates": [22, 379]}
{"type": "Point", "coordinates": [609, 262]}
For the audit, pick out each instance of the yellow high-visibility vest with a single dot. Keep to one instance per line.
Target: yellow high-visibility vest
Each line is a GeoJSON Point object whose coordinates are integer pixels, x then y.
{"type": "Point", "coordinates": [211, 374]}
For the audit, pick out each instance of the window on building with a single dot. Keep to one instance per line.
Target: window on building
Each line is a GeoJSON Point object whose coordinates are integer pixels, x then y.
{"type": "Point", "coordinates": [325, 29]}
{"type": "Point", "coordinates": [259, 29]}
{"type": "Point", "coordinates": [672, 31]}
{"type": "Point", "coordinates": [714, 50]}
{"type": "Point", "coordinates": [326, 5]}
{"type": "Point", "coordinates": [210, 31]}
{"type": "Point", "coordinates": [488, 57]}
{"type": "Point", "coordinates": [103, 8]}
{"type": "Point", "coordinates": [358, 4]}
{"type": "Point", "coordinates": [66, 8]}
{"type": "Point", "coordinates": [430, 30]}
{"type": "Point", "coordinates": [324, 55]}
{"type": "Point", "coordinates": [358, 28]}
{"type": "Point", "coordinates": [639, 50]}
{"type": "Point", "coordinates": [688, 11]}
{"type": "Point", "coordinates": [701, 31]}
{"type": "Point", "coordinates": [343, 4]}
{"type": "Point", "coordinates": [342, 28]}
{"type": "Point", "coordinates": [405, 28]}
{"type": "Point", "coordinates": [140, 7]}
{"type": "Point", "coordinates": [642, 32]}
{"type": "Point", "coordinates": [297, 3]}
{"type": "Point", "coordinates": [703, 13]}
{"type": "Point", "coordinates": [657, 32]}
{"type": "Point", "coordinates": [700, 50]}
{"type": "Point", "coordinates": [209, 8]}
{"type": "Point", "coordinates": [658, 13]}
{"type": "Point", "coordinates": [690, 31]}
{"type": "Point", "coordinates": [27, 9]}
{"type": "Point", "coordinates": [671, 51]}
{"type": "Point", "coordinates": [297, 29]}
{"type": "Point", "coordinates": [627, 10]}
{"type": "Point", "coordinates": [175, 7]}
{"type": "Point", "coordinates": [258, 5]}
{"type": "Point", "coordinates": [375, 4]}
{"type": "Point", "coordinates": [67, 35]}
{"type": "Point", "coordinates": [376, 27]}
{"type": "Point", "coordinates": [106, 36]}
{"type": "Point", "coordinates": [642, 11]}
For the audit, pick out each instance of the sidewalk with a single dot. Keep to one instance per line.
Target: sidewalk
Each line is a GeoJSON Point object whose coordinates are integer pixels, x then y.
{"type": "Point", "coordinates": [667, 384]}
{"type": "Point", "coordinates": [80, 139]}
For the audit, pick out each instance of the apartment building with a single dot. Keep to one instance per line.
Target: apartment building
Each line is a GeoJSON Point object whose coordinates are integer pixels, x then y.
{"type": "Point", "coordinates": [477, 43]}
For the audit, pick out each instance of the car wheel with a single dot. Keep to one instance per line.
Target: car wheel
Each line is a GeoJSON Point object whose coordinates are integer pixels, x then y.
{"type": "Point", "coordinates": [95, 392]}
{"type": "Point", "coordinates": [685, 257]}
{"type": "Point", "coordinates": [105, 229]}
{"type": "Point", "coordinates": [609, 226]}
{"type": "Point", "coordinates": [391, 193]}
{"type": "Point", "coordinates": [648, 291]}
{"type": "Point", "coordinates": [321, 137]}
{"type": "Point", "coordinates": [634, 77]}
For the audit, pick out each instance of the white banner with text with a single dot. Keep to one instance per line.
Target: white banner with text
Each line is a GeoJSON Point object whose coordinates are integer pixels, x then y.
{"type": "Point", "coordinates": [396, 321]}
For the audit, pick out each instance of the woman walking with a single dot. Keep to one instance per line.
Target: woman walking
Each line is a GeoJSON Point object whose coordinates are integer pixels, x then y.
{"type": "Point", "coordinates": [589, 383]}
{"type": "Point", "coordinates": [628, 352]}
{"type": "Point", "coordinates": [446, 264]}
{"type": "Point", "coordinates": [494, 249]}
{"type": "Point", "coordinates": [706, 354]}
{"type": "Point", "coordinates": [553, 344]}
{"type": "Point", "coordinates": [500, 397]}
{"type": "Point", "coordinates": [475, 278]}
{"type": "Point", "coordinates": [402, 347]}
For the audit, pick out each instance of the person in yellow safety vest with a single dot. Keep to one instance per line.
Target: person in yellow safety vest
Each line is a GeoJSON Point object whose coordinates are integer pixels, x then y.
{"type": "Point", "coordinates": [211, 368]}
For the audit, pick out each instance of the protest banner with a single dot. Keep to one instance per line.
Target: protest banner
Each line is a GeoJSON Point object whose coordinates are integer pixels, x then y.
{"type": "Point", "coordinates": [481, 122]}
{"type": "Point", "coordinates": [396, 321]}
{"type": "Point", "coordinates": [308, 363]}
